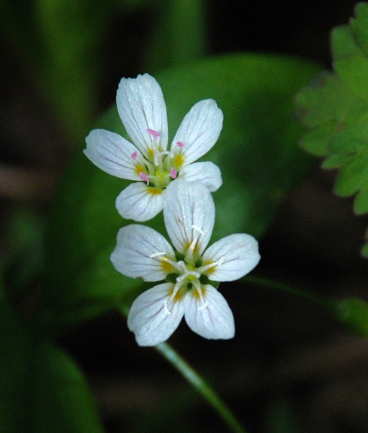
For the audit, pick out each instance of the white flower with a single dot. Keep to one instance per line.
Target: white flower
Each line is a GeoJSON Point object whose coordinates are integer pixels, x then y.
{"type": "Point", "coordinates": [142, 110]}
{"type": "Point", "coordinates": [189, 216]}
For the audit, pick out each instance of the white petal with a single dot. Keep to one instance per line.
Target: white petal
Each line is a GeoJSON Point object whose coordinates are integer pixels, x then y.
{"type": "Point", "coordinates": [153, 316]}
{"type": "Point", "coordinates": [139, 202]}
{"type": "Point", "coordinates": [141, 107]}
{"type": "Point", "coordinates": [199, 130]}
{"type": "Point", "coordinates": [140, 251]}
{"type": "Point", "coordinates": [189, 214]}
{"type": "Point", "coordinates": [235, 255]}
{"type": "Point", "coordinates": [206, 173]}
{"type": "Point", "coordinates": [210, 317]}
{"type": "Point", "coordinates": [112, 153]}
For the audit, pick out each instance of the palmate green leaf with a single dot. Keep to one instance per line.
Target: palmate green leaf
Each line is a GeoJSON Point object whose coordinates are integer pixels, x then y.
{"type": "Point", "coordinates": [41, 389]}
{"type": "Point", "coordinates": [335, 109]}
{"type": "Point", "coordinates": [257, 153]}
{"type": "Point", "coordinates": [349, 61]}
{"type": "Point", "coordinates": [359, 26]}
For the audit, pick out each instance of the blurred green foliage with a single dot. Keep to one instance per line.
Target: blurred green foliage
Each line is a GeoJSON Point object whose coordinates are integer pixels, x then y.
{"type": "Point", "coordinates": [41, 389]}
{"type": "Point", "coordinates": [61, 42]}
{"type": "Point", "coordinates": [25, 255]}
{"type": "Point", "coordinates": [335, 109]}
{"type": "Point", "coordinates": [179, 34]}
{"type": "Point", "coordinates": [71, 32]}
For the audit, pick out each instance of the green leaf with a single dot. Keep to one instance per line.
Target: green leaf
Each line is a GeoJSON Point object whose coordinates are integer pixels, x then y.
{"type": "Point", "coordinates": [359, 26]}
{"type": "Point", "coordinates": [259, 124]}
{"type": "Point", "coordinates": [361, 202]}
{"type": "Point", "coordinates": [352, 176]}
{"type": "Point", "coordinates": [337, 160]}
{"type": "Point", "coordinates": [327, 100]}
{"type": "Point", "coordinates": [353, 312]}
{"type": "Point", "coordinates": [350, 62]}
{"type": "Point", "coordinates": [316, 140]}
{"type": "Point", "coordinates": [364, 251]}
{"type": "Point", "coordinates": [41, 389]}
{"type": "Point", "coordinates": [335, 110]}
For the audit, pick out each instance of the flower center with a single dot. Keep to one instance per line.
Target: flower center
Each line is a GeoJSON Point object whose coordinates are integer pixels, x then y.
{"type": "Point", "coordinates": [187, 279]}
{"type": "Point", "coordinates": [158, 167]}
{"type": "Point", "coordinates": [186, 276]}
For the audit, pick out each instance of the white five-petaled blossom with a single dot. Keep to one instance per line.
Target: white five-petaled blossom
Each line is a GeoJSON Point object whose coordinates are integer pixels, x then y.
{"type": "Point", "coordinates": [142, 110]}
{"type": "Point", "coordinates": [189, 215]}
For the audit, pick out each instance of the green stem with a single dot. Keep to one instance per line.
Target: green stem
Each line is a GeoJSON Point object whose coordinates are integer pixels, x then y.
{"type": "Point", "coordinates": [197, 382]}
{"type": "Point", "coordinates": [266, 282]}
{"type": "Point", "coordinates": [352, 312]}
{"type": "Point", "coordinates": [201, 386]}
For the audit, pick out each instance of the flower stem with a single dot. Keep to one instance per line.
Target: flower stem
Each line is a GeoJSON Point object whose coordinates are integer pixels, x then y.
{"type": "Point", "coordinates": [201, 386]}
{"type": "Point", "coordinates": [266, 282]}
{"type": "Point", "coordinates": [351, 312]}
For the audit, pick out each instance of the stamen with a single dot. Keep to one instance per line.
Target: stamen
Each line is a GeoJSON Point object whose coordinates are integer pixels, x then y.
{"type": "Point", "coordinates": [173, 294]}
{"type": "Point", "coordinates": [185, 274]}
{"type": "Point", "coordinates": [152, 256]}
{"type": "Point", "coordinates": [180, 278]}
{"type": "Point", "coordinates": [194, 244]}
{"type": "Point", "coordinates": [134, 155]}
{"type": "Point", "coordinates": [203, 306]}
{"type": "Point", "coordinates": [157, 158]}
{"type": "Point", "coordinates": [153, 132]}
{"type": "Point", "coordinates": [180, 144]}
{"type": "Point", "coordinates": [167, 311]}
{"type": "Point", "coordinates": [173, 263]}
{"type": "Point", "coordinates": [213, 265]}
{"type": "Point", "coordinates": [173, 173]}
{"type": "Point", "coordinates": [220, 261]}
{"type": "Point", "coordinates": [144, 177]}
{"type": "Point", "coordinates": [182, 268]}
{"type": "Point", "coordinates": [204, 302]}
{"type": "Point", "coordinates": [197, 229]}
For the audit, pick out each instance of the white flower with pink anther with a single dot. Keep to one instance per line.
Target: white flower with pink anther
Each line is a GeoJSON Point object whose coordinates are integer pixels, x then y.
{"type": "Point", "coordinates": [142, 110]}
{"type": "Point", "coordinates": [186, 272]}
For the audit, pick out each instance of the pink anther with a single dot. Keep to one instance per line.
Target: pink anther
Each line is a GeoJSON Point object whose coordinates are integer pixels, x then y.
{"type": "Point", "coordinates": [134, 155]}
{"type": "Point", "coordinates": [144, 176]}
{"type": "Point", "coordinates": [173, 173]}
{"type": "Point", "coordinates": [153, 132]}
{"type": "Point", "coordinates": [180, 144]}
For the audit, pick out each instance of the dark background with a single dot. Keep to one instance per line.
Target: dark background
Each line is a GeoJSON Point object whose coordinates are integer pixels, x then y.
{"type": "Point", "coordinates": [299, 369]}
